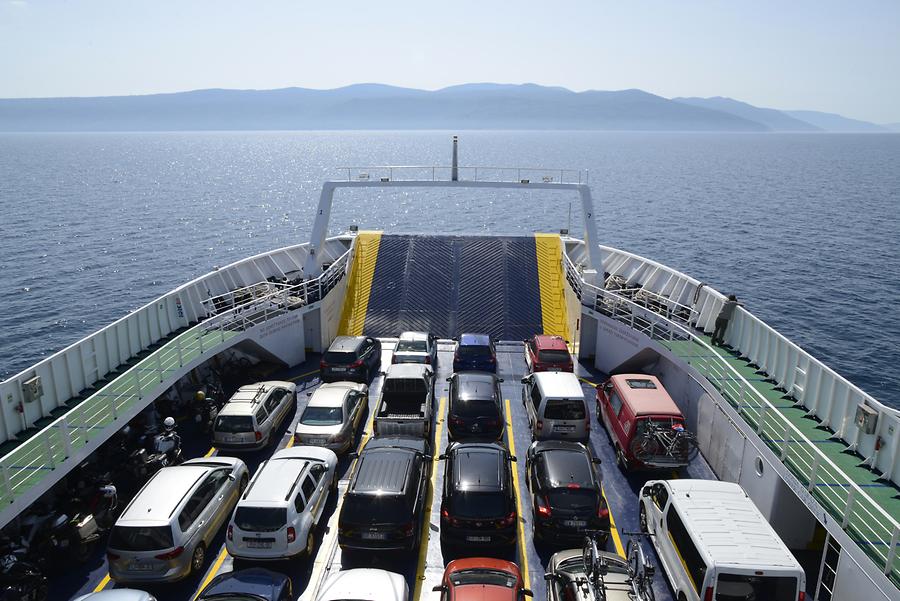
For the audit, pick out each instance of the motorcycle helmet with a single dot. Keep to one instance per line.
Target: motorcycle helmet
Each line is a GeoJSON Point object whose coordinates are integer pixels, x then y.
{"type": "Point", "coordinates": [200, 396]}
{"type": "Point", "coordinates": [169, 424]}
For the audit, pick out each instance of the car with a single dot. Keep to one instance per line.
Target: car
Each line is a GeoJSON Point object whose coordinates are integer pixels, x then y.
{"type": "Point", "coordinates": [416, 347]}
{"type": "Point", "coordinates": [355, 358]}
{"type": "Point", "coordinates": [332, 416]}
{"type": "Point", "coordinates": [475, 410]}
{"type": "Point", "coordinates": [277, 515]}
{"type": "Point", "coordinates": [482, 578]}
{"type": "Point", "coordinates": [478, 507]}
{"type": "Point", "coordinates": [566, 491]}
{"type": "Point", "coordinates": [405, 401]}
{"type": "Point", "coordinates": [567, 581]}
{"type": "Point", "coordinates": [554, 403]}
{"type": "Point", "coordinates": [383, 507]}
{"type": "Point", "coordinates": [252, 584]}
{"type": "Point", "coordinates": [251, 417]}
{"type": "Point", "coordinates": [626, 405]}
{"type": "Point", "coordinates": [164, 532]}
{"type": "Point", "coordinates": [544, 352]}
{"type": "Point", "coordinates": [117, 594]}
{"type": "Point", "coordinates": [364, 584]}
{"type": "Point", "coordinates": [475, 352]}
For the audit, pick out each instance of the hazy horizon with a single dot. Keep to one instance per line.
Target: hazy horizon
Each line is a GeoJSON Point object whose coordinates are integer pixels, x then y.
{"type": "Point", "coordinates": [825, 56]}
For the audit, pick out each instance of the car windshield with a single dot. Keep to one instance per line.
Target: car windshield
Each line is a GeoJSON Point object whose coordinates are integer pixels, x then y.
{"type": "Point", "coordinates": [412, 346]}
{"type": "Point", "coordinates": [733, 587]}
{"type": "Point", "coordinates": [483, 577]}
{"type": "Point", "coordinates": [476, 408]}
{"type": "Point", "coordinates": [573, 499]}
{"type": "Point", "coordinates": [141, 538]}
{"type": "Point", "coordinates": [564, 409]}
{"type": "Point", "coordinates": [552, 356]}
{"type": "Point", "coordinates": [338, 358]}
{"type": "Point", "coordinates": [322, 416]}
{"type": "Point", "coordinates": [471, 351]}
{"type": "Point", "coordinates": [375, 509]}
{"type": "Point", "coordinates": [260, 519]}
{"type": "Point", "coordinates": [478, 505]}
{"type": "Point", "coordinates": [666, 424]}
{"type": "Point", "coordinates": [234, 423]}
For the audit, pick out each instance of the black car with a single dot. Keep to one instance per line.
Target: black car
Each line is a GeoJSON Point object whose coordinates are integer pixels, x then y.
{"type": "Point", "coordinates": [354, 358]}
{"type": "Point", "coordinates": [478, 506]}
{"type": "Point", "coordinates": [475, 410]}
{"type": "Point", "coordinates": [566, 491]}
{"type": "Point", "coordinates": [383, 506]}
{"type": "Point", "coordinates": [255, 584]}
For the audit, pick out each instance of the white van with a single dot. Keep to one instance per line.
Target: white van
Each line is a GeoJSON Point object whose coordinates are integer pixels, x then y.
{"type": "Point", "coordinates": [554, 401]}
{"type": "Point", "coordinates": [715, 545]}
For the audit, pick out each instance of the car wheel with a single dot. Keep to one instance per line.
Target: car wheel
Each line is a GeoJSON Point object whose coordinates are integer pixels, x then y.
{"type": "Point", "coordinates": [310, 543]}
{"type": "Point", "coordinates": [642, 519]}
{"type": "Point", "coordinates": [198, 558]}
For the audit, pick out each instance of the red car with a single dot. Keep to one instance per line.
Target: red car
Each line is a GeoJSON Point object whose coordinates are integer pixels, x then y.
{"type": "Point", "coordinates": [630, 406]}
{"type": "Point", "coordinates": [547, 353]}
{"type": "Point", "coordinates": [482, 579]}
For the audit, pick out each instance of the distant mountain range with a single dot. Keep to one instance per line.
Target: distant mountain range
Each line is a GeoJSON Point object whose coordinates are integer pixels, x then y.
{"type": "Point", "coordinates": [376, 106]}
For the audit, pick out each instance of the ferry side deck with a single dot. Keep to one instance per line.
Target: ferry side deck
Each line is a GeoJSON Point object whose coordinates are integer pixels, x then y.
{"type": "Point", "coordinates": [424, 569]}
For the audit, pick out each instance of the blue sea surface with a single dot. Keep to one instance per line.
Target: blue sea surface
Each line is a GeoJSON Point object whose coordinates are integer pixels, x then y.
{"type": "Point", "coordinates": [804, 228]}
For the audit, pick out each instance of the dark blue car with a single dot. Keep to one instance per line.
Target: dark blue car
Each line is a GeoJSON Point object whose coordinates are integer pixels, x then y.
{"type": "Point", "coordinates": [254, 584]}
{"type": "Point", "coordinates": [475, 352]}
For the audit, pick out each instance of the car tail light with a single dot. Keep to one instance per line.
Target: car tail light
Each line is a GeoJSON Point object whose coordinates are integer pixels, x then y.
{"type": "Point", "coordinates": [456, 421]}
{"type": "Point", "coordinates": [492, 359]}
{"type": "Point", "coordinates": [446, 515]}
{"type": "Point", "coordinates": [323, 365]}
{"type": "Point", "coordinates": [587, 423]}
{"type": "Point", "coordinates": [407, 529]}
{"type": "Point", "coordinates": [570, 367]}
{"type": "Point", "coordinates": [603, 512]}
{"type": "Point", "coordinates": [297, 439]}
{"type": "Point", "coordinates": [230, 532]}
{"type": "Point", "coordinates": [801, 596]}
{"type": "Point", "coordinates": [427, 360]}
{"type": "Point", "coordinates": [508, 520]}
{"type": "Point", "coordinates": [174, 553]}
{"type": "Point", "coordinates": [111, 556]}
{"type": "Point", "coordinates": [709, 594]}
{"type": "Point", "coordinates": [573, 485]}
{"type": "Point", "coordinates": [540, 425]}
{"type": "Point", "coordinates": [394, 360]}
{"type": "Point", "coordinates": [356, 364]}
{"type": "Point", "coordinates": [291, 534]}
{"type": "Point", "coordinates": [257, 435]}
{"type": "Point", "coordinates": [543, 508]}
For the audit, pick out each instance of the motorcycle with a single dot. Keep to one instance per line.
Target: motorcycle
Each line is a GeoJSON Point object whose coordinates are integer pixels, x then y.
{"type": "Point", "coordinates": [49, 534]}
{"type": "Point", "coordinates": [20, 580]}
{"type": "Point", "coordinates": [168, 445]}
{"type": "Point", "coordinates": [206, 411]}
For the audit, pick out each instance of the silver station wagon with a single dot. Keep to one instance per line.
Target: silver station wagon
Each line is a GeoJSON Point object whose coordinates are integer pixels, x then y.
{"type": "Point", "coordinates": [163, 534]}
{"type": "Point", "coordinates": [332, 415]}
{"type": "Point", "coordinates": [251, 416]}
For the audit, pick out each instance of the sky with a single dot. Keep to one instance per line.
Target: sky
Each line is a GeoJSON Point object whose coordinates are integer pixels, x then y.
{"type": "Point", "coordinates": [828, 55]}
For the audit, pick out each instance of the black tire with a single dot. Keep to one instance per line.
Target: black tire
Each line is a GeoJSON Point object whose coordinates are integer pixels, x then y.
{"type": "Point", "coordinates": [198, 558]}
{"type": "Point", "coordinates": [642, 520]}
{"type": "Point", "coordinates": [309, 551]}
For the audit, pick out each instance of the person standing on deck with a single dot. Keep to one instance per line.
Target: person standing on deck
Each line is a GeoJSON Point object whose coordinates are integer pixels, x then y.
{"type": "Point", "coordinates": [731, 303]}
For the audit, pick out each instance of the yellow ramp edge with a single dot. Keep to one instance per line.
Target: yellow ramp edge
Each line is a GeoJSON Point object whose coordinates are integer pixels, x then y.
{"type": "Point", "coordinates": [359, 284]}
{"type": "Point", "coordinates": [552, 281]}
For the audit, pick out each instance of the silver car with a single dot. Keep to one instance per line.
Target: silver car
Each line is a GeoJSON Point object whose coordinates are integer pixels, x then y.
{"type": "Point", "coordinates": [253, 414]}
{"type": "Point", "coordinates": [566, 579]}
{"type": "Point", "coordinates": [163, 534]}
{"type": "Point", "coordinates": [332, 415]}
{"type": "Point", "coordinates": [117, 594]}
{"type": "Point", "coordinates": [416, 347]}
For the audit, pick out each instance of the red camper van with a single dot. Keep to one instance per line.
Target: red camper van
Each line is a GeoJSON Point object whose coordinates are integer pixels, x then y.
{"type": "Point", "coordinates": [644, 423]}
{"type": "Point", "coordinates": [547, 353]}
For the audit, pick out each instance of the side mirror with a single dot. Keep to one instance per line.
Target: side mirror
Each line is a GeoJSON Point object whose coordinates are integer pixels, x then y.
{"type": "Point", "coordinates": [500, 379]}
{"type": "Point", "coordinates": [442, 456]}
{"type": "Point", "coordinates": [352, 455]}
{"type": "Point", "coordinates": [512, 458]}
{"type": "Point", "coordinates": [596, 461]}
{"type": "Point", "coordinates": [548, 577]}
{"type": "Point", "coordinates": [427, 457]}
{"type": "Point", "coordinates": [317, 469]}
{"type": "Point", "coordinates": [528, 592]}
{"type": "Point", "coordinates": [309, 393]}
{"type": "Point", "coordinates": [382, 373]}
{"type": "Point", "coordinates": [232, 477]}
{"type": "Point", "coordinates": [646, 493]}
{"type": "Point", "coordinates": [450, 378]}
{"type": "Point", "coordinates": [524, 380]}
{"type": "Point", "coordinates": [440, 589]}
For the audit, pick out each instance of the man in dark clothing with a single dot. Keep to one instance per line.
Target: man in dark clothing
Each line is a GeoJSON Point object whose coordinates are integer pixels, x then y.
{"type": "Point", "coordinates": [722, 320]}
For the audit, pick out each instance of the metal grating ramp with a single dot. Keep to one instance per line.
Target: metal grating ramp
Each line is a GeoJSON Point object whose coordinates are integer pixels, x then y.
{"type": "Point", "coordinates": [449, 285]}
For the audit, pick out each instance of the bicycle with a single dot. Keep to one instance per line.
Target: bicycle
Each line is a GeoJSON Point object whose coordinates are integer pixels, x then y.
{"type": "Point", "coordinates": [640, 569]}
{"type": "Point", "coordinates": [665, 444]}
{"type": "Point", "coordinates": [595, 566]}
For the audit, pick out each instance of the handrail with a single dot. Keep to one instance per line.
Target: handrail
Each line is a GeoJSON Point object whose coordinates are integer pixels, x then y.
{"type": "Point", "coordinates": [793, 446]}
{"type": "Point", "coordinates": [547, 174]}
{"type": "Point", "coordinates": [22, 468]}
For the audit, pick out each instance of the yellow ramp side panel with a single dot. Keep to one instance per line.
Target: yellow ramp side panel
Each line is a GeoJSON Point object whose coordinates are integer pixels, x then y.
{"type": "Point", "coordinates": [552, 281]}
{"type": "Point", "coordinates": [359, 284]}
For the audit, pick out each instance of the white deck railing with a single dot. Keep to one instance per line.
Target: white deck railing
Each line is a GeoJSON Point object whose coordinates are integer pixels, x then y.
{"type": "Point", "coordinates": [393, 173]}
{"type": "Point", "coordinates": [860, 515]}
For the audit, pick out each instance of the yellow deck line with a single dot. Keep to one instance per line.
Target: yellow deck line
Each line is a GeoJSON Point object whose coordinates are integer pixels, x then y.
{"type": "Point", "coordinates": [551, 280]}
{"type": "Point", "coordinates": [212, 571]}
{"type": "Point", "coordinates": [520, 528]}
{"type": "Point", "coordinates": [102, 584]}
{"type": "Point", "coordinates": [359, 284]}
{"type": "Point", "coordinates": [309, 373]}
{"type": "Point", "coordinates": [210, 452]}
{"type": "Point", "coordinates": [426, 523]}
{"type": "Point", "coordinates": [617, 540]}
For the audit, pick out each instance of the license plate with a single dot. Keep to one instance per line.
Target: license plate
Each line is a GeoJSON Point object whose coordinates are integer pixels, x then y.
{"type": "Point", "coordinates": [563, 428]}
{"type": "Point", "coordinates": [478, 539]}
{"type": "Point", "coordinates": [374, 535]}
{"type": "Point", "coordinates": [575, 523]}
{"type": "Point", "coordinates": [140, 566]}
{"type": "Point", "coordinates": [315, 440]}
{"type": "Point", "coordinates": [338, 369]}
{"type": "Point", "coordinates": [232, 439]}
{"type": "Point", "coordinates": [258, 544]}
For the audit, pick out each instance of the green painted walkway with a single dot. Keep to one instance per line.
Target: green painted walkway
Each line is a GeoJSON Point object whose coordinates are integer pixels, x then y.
{"type": "Point", "coordinates": [34, 459]}
{"type": "Point", "coordinates": [872, 534]}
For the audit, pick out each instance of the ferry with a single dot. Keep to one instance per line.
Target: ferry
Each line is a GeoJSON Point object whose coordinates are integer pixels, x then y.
{"type": "Point", "coordinates": [818, 457]}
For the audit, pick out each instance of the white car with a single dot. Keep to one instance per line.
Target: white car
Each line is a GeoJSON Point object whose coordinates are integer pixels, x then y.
{"type": "Point", "coordinates": [364, 584]}
{"type": "Point", "coordinates": [117, 594]}
{"type": "Point", "coordinates": [276, 517]}
{"type": "Point", "coordinates": [416, 347]}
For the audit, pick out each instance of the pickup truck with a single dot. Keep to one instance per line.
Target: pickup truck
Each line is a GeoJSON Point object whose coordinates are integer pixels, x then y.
{"type": "Point", "coordinates": [406, 401]}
